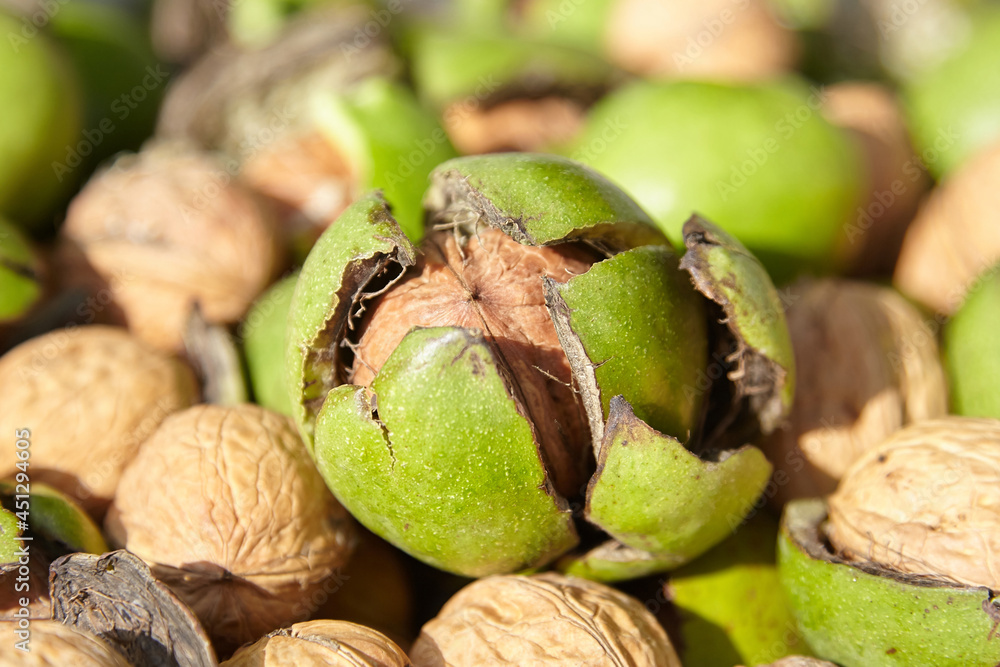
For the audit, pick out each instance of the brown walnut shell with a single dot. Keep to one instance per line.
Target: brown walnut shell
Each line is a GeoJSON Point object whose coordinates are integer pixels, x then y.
{"type": "Point", "coordinates": [333, 643]}
{"type": "Point", "coordinates": [171, 227]}
{"type": "Point", "coordinates": [546, 619]}
{"type": "Point", "coordinates": [955, 237]}
{"type": "Point", "coordinates": [926, 501]}
{"type": "Point", "coordinates": [90, 396]}
{"type": "Point", "coordinates": [226, 506]}
{"type": "Point", "coordinates": [867, 365]}
{"type": "Point", "coordinates": [53, 644]}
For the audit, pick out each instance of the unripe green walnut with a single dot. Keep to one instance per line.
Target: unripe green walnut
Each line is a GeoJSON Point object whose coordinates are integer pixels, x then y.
{"type": "Point", "coordinates": [541, 346]}
{"type": "Point", "coordinates": [972, 350]}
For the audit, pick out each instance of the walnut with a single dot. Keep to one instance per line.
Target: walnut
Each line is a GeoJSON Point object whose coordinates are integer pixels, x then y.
{"type": "Point", "coordinates": [170, 227]}
{"type": "Point", "coordinates": [90, 396]}
{"type": "Point", "coordinates": [896, 178]}
{"type": "Point", "coordinates": [926, 502]}
{"type": "Point", "coordinates": [546, 619]}
{"type": "Point", "coordinates": [656, 38]}
{"type": "Point", "coordinates": [867, 366]}
{"type": "Point", "coordinates": [226, 506]}
{"type": "Point", "coordinates": [52, 644]}
{"type": "Point", "coordinates": [494, 284]}
{"type": "Point", "coordinates": [334, 643]}
{"type": "Point", "coordinates": [955, 237]}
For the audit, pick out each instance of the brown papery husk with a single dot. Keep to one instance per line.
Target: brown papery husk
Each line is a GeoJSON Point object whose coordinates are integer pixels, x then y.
{"type": "Point", "coordinates": [545, 619]}
{"type": "Point", "coordinates": [866, 365]}
{"type": "Point", "coordinates": [520, 124]}
{"type": "Point", "coordinates": [955, 237]}
{"type": "Point", "coordinates": [925, 502]}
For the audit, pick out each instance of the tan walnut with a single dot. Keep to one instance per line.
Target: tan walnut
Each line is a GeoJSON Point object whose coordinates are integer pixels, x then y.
{"type": "Point", "coordinates": [227, 508]}
{"type": "Point", "coordinates": [51, 643]}
{"type": "Point", "coordinates": [545, 619]}
{"type": "Point", "coordinates": [927, 502]}
{"type": "Point", "coordinates": [89, 396]}
{"type": "Point", "coordinates": [867, 366]}
{"type": "Point", "coordinates": [333, 643]}
{"type": "Point", "coordinates": [169, 227]}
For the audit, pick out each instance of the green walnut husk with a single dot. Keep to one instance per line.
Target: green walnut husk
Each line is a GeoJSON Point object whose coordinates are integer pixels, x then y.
{"type": "Point", "coordinates": [20, 282]}
{"type": "Point", "coordinates": [954, 108]}
{"type": "Point", "coordinates": [972, 350]}
{"type": "Point", "coordinates": [52, 517]}
{"type": "Point", "coordinates": [39, 122]}
{"type": "Point", "coordinates": [860, 615]}
{"type": "Point", "coordinates": [122, 81]}
{"type": "Point", "coordinates": [443, 455]}
{"type": "Point", "coordinates": [263, 334]}
{"type": "Point", "coordinates": [758, 160]}
{"type": "Point", "coordinates": [731, 606]}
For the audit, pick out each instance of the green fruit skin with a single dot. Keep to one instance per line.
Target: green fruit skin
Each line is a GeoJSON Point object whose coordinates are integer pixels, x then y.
{"type": "Point", "coordinates": [859, 619]}
{"type": "Point", "coordinates": [20, 289]}
{"type": "Point", "coordinates": [954, 110]}
{"type": "Point", "coordinates": [56, 517]}
{"type": "Point", "coordinates": [732, 608]}
{"type": "Point", "coordinates": [756, 159]}
{"type": "Point", "coordinates": [972, 350]}
{"type": "Point", "coordinates": [37, 130]}
{"type": "Point", "coordinates": [263, 336]}
{"type": "Point", "coordinates": [122, 81]}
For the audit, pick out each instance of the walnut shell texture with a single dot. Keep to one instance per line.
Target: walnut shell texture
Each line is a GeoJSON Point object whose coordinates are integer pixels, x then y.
{"type": "Point", "coordinates": [955, 237]}
{"type": "Point", "coordinates": [926, 501]}
{"type": "Point", "coordinates": [518, 124]}
{"type": "Point", "coordinates": [90, 396]}
{"type": "Point", "coordinates": [867, 365]}
{"type": "Point", "coordinates": [228, 509]}
{"type": "Point", "coordinates": [316, 643]}
{"type": "Point", "coordinates": [53, 644]}
{"type": "Point", "coordinates": [171, 227]}
{"type": "Point", "coordinates": [546, 619]}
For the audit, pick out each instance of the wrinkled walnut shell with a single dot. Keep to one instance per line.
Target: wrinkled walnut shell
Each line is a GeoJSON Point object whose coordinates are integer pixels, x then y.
{"type": "Point", "coordinates": [89, 396]}
{"type": "Point", "coordinates": [334, 643]}
{"type": "Point", "coordinates": [867, 365]}
{"type": "Point", "coordinates": [226, 506]}
{"type": "Point", "coordinates": [170, 227]}
{"type": "Point", "coordinates": [546, 619]}
{"type": "Point", "coordinates": [925, 502]}
{"type": "Point", "coordinates": [52, 643]}
{"type": "Point", "coordinates": [955, 237]}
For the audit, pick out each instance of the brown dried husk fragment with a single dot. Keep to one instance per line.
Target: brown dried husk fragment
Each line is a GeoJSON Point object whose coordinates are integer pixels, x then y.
{"type": "Point", "coordinates": [171, 227]}
{"type": "Point", "coordinates": [955, 236]}
{"type": "Point", "coordinates": [867, 365]}
{"type": "Point", "coordinates": [333, 643]}
{"type": "Point", "coordinates": [546, 619]}
{"type": "Point", "coordinates": [53, 644]}
{"type": "Point", "coordinates": [89, 396]}
{"type": "Point", "coordinates": [115, 597]}
{"type": "Point", "coordinates": [238, 523]}
{"type": "Point", "coordinates": [925, 502]}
